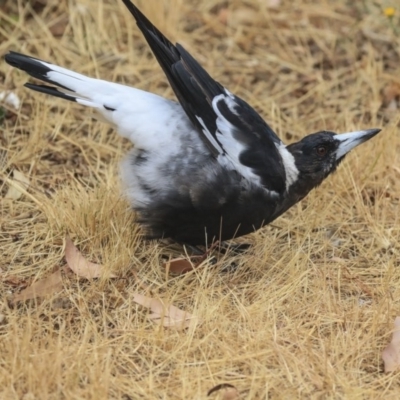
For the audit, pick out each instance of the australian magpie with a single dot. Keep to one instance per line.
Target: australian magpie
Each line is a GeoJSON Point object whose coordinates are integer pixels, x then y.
{"type": "Point", "coordinates": [207, 168]}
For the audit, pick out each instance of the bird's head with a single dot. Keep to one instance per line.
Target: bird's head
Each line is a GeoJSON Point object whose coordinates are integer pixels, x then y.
{"type": "Point", "coordinates": [317, 155]}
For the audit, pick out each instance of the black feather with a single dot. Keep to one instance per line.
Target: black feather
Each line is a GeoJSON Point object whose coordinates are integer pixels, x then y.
{"type": "Point", "coordinates": [33, 66]}
{"type": "Point", "coordinates": [194, 97]}
{"type": "Point", "coordinates": [220, 211]}
{"type": "Point", "coordinates": [196, 90]}
{"type": "Point", "coordinates": [261, 153]}
{"type": "Point", "coordinates": [53, 91]}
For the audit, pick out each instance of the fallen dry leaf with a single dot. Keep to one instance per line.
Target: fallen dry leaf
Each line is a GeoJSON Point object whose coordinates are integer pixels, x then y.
{"type": "Point", "coordinates": [229, 391]}
{"type": "Point", "coordinates": [165, 314]}
{"type": "Point", "coordinates": [78, 263]}
{"type": "Point", "coordinates": [58, 27]}
{"type": "Point", "coordinates": [179, 266]}
{"type": "Point", "coordinates": [44, 287]}
{"type": "Point", "coordinates": [18, 186]}
{"type": "Point", "coordinates": [182, 265]}
{"type": "Point", "coordinates": [223, 15]}
{"type": "Point", "coordinates": [391, 353]}
{"type": "Point", "coordinates": [391, 96]}
{"type": "Point", "coordinates": [391, 92]}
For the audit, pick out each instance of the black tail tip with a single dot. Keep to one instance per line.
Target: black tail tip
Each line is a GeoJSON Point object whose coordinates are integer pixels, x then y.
{"type": "Point", "coordinates": [19, 60]}
{"type": "Point", "coordinates": [12, 59]}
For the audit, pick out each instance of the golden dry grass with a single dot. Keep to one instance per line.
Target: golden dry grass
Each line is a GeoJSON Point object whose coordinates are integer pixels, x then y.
{"type": "Point", "coordinates": [307, 311]}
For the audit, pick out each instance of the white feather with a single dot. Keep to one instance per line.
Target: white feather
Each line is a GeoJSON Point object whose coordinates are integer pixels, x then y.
{"type": "Point", "coordinates": [152, 123]}
{"type": "Point", "coordinates": [291, 170]}
{"type": "Point", "coordinates": [210, 137]}
{"type": "Point", "coordinates": [142, 117]}
{"type": "Point", "coordinates": [232, 146]}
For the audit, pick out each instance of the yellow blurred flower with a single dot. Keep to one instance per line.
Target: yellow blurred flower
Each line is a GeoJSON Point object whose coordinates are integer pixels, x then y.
{"type": "Point", "coordinates": [389, 11]}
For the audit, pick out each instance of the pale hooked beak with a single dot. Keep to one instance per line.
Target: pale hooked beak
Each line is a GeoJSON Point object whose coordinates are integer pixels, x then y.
{"type": "Point", "coordinates": [352, 139]}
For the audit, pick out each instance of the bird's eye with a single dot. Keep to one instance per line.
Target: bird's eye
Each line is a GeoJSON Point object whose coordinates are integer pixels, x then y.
{"type": "Point", "coordinates": [321, 150]}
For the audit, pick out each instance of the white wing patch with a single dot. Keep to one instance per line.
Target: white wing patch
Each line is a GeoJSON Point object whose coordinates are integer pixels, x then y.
{"type": "Point", "coordinates": [229, 100]}
{"type": "Point", "coordinates": [291, 170]}
{"type": "Point", "coordinates": [210, 137]}
{"type": "Point", "coordinates": [230, 145]}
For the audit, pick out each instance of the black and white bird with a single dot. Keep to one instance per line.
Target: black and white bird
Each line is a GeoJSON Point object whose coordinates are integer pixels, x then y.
{"type": "Point", "coordinates": [207, 168]}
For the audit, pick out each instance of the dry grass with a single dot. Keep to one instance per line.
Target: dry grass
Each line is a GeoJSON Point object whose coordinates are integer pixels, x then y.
{"type": "Point", "coordinates": [306, 313]}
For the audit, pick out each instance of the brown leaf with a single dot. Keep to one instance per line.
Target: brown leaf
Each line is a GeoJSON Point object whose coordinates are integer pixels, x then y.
{"type": "Point", "coordinates": [77, 263]}
{"type": "Point", "coordinates": [178, 266]}
{"type": "Point", "coordinates": [58, 27]}
{"type": "Point", "coordinates": [165, 314]}
{"type": "Point", "coordinates": [44, 287]}
{"type": "Point", "coordinates": [182, 265]}
{"type": "Point", "coordinates": [223, 15]}
{"type": "Point", "coordinates": [391, 353]}
{"type": "Point", "coordinates": [229, 391]}
{"type": "Point", "coordinates": [391, 92]}
{"type": "Point", "coordinates": [18, 186]}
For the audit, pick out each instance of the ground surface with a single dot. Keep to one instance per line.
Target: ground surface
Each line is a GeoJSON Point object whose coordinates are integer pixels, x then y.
{"type": "Point", "coordinates": [307, 311]}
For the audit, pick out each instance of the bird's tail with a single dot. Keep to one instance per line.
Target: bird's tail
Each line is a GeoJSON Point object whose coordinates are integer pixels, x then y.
{"type": "Point", "coordinates": [133, 112]}
{"type": "Point", "coordinates": [68, 84]}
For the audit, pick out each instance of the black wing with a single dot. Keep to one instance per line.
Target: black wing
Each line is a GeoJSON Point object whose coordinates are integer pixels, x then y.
{"type": "Point", "coordinates": [195, 101]}
{"type": "Point", "coordinates": [230, 127]}
{"type": "Point", "coordinates": [219, 116]}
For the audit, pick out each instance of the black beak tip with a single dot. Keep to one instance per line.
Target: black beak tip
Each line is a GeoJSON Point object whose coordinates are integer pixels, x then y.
{"type": "Point", "coordinates": [372, 132]}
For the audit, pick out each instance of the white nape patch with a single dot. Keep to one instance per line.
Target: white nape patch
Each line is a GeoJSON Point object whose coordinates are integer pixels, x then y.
{"type": "Point", "coordinates": [210, 137]}
{"type": "Point", "coordinates": [291, 170]}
